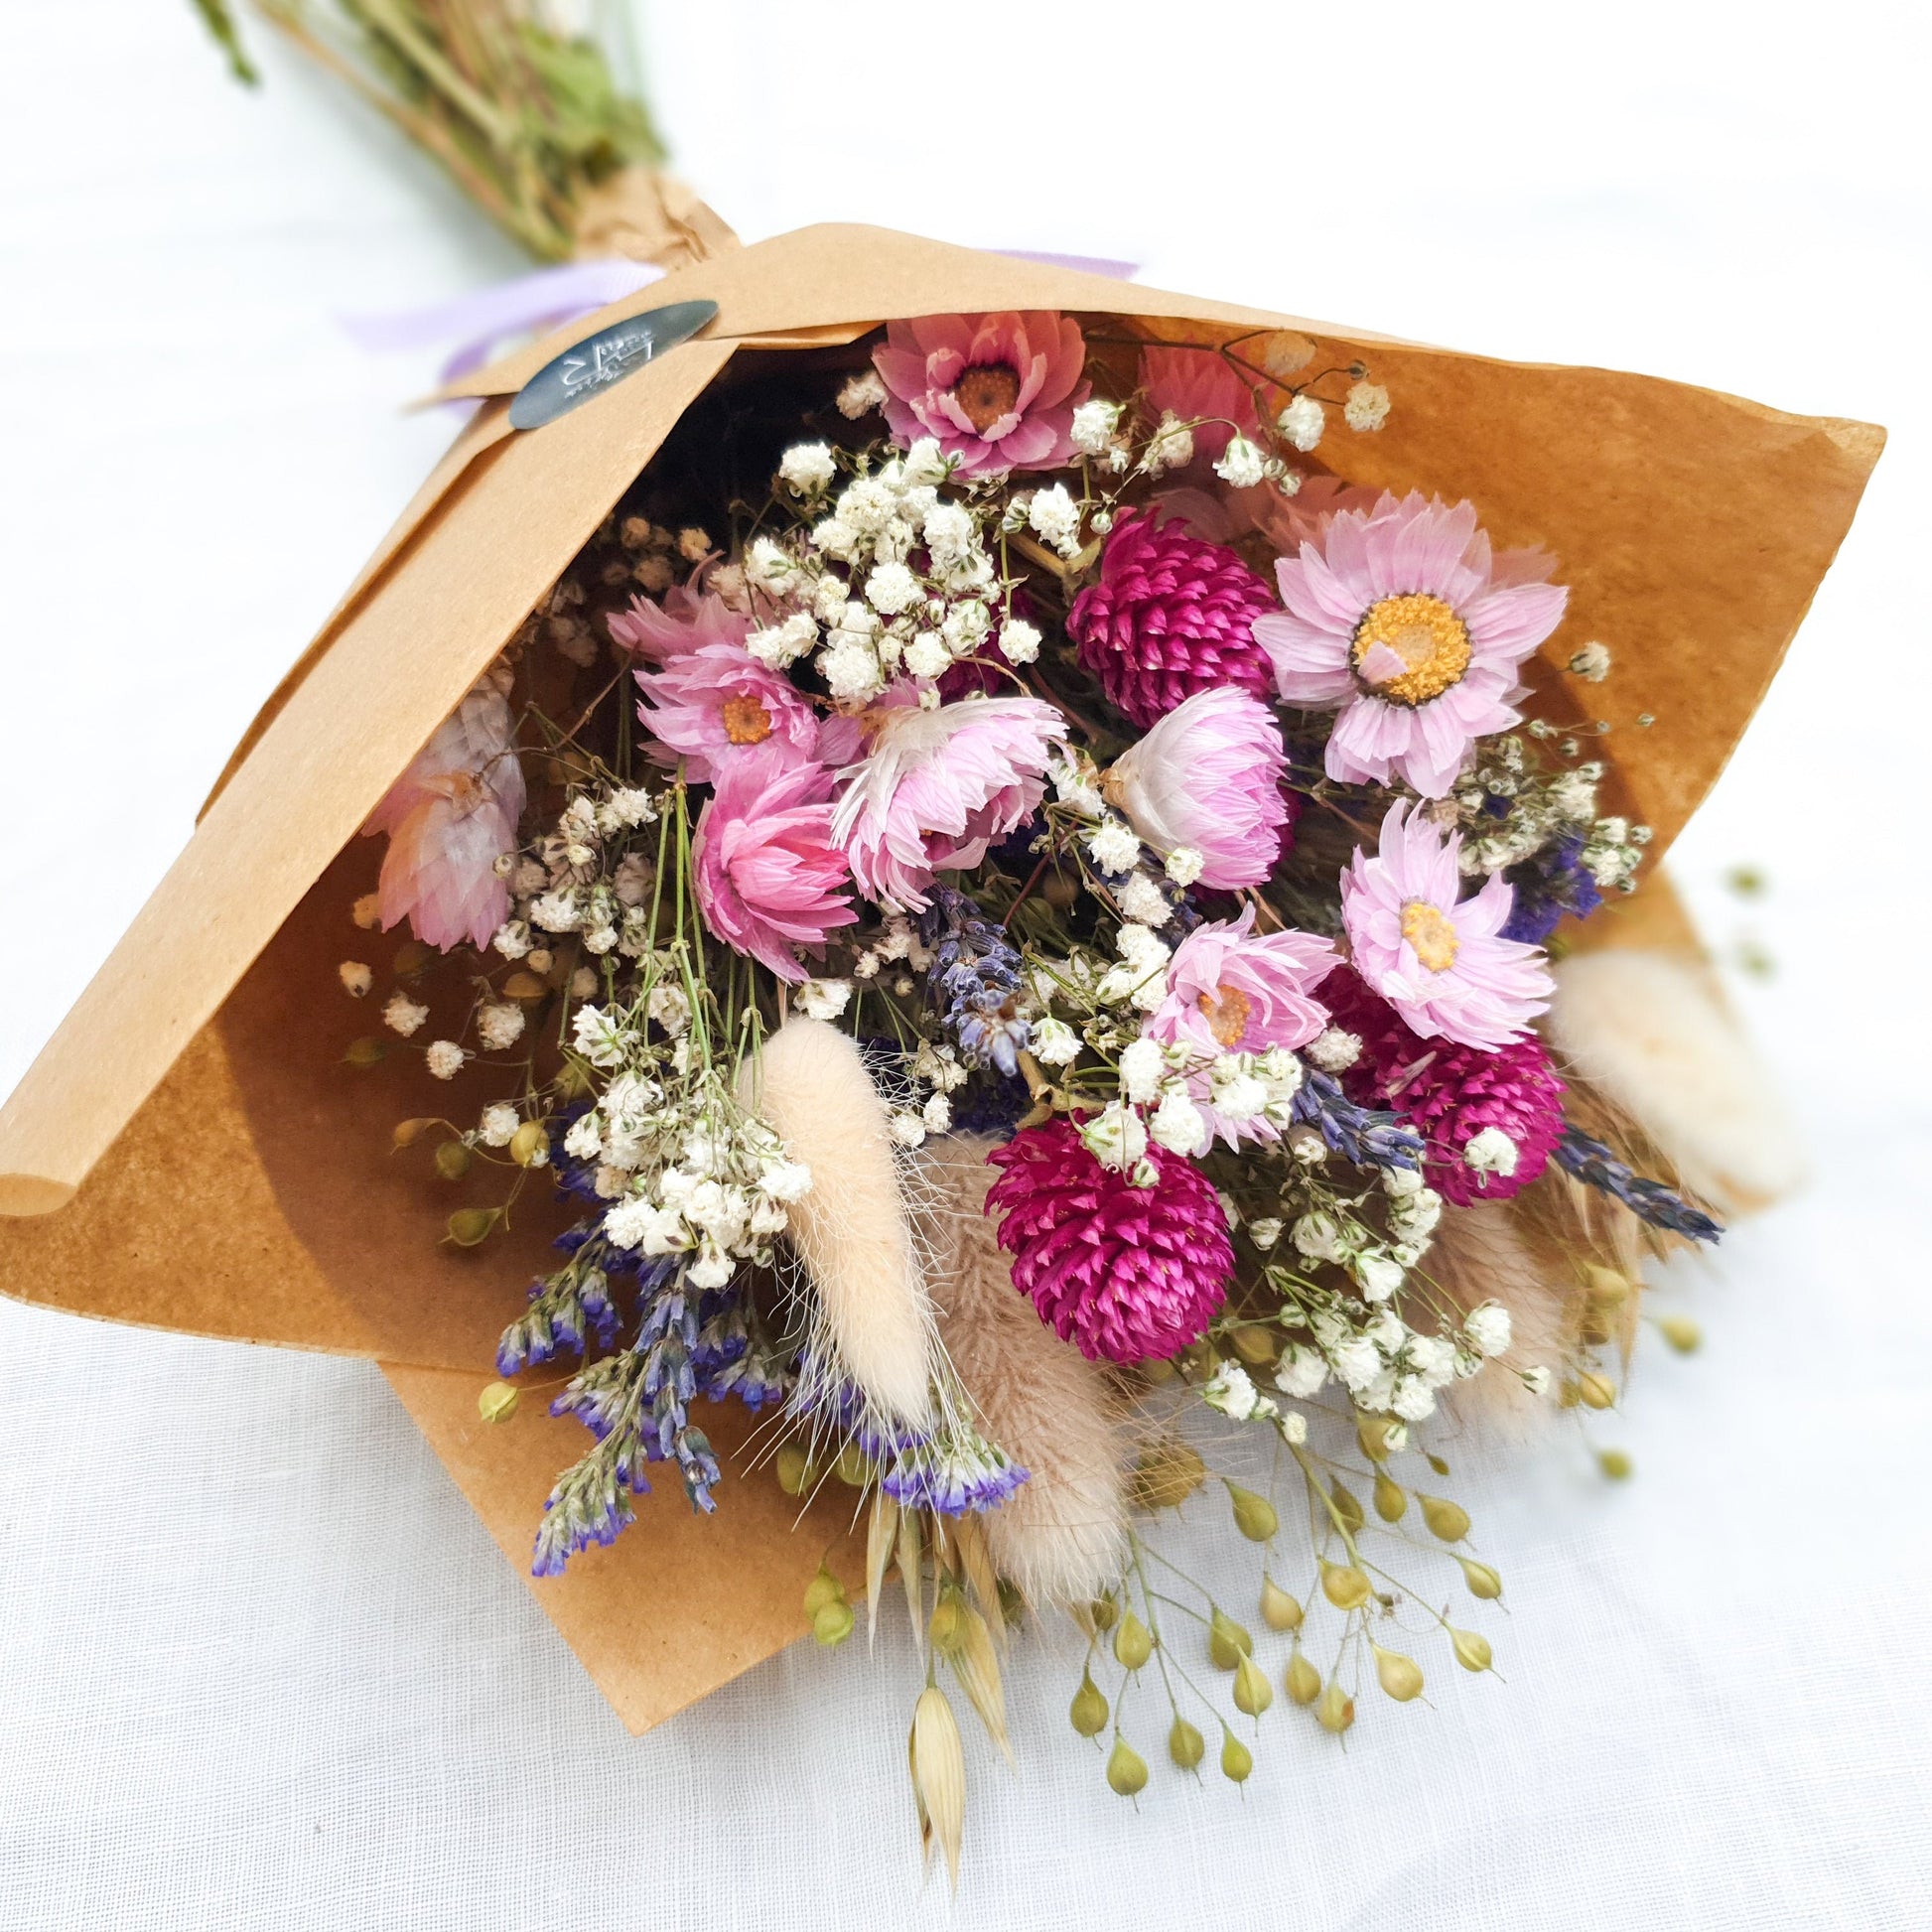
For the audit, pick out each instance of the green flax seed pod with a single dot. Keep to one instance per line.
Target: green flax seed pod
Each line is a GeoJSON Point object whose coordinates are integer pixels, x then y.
{"type": "Point", "coordinates": [1088, 1710]}
{"type": "Point", "coordinates": [1435, 1462]}
{"type": "Point", "coordinates": [1105, 1614]}
{"type": "Point", "coordinates": [365, 1052]}
{"type": "Point", "coordinates": [832, 1623]}
{"type": "Point", "coordinates": [1335, 1708]}
{"type": "Point", "coordinates": [1126, 1770]}
{"type": "Point", "coordinates": [1615, 1465]}
{"type": "Point", "coordinates": [1605, 1289]}
{"type": "Point", "coordinates": [948, 1624]}
{"type": "Point", "coordinates": [408, 1132]}
{"type": "Point", "coordinates": [1472, 1649]}
{"type": "Point", "coordinates": [1237, 1760]}
{"type": "Point", "coordinates": [498, 1402]}
{"type": "Point", "coordinates": [795, 1470]}
{"type": "Point", "coordinates": [822, 1590]}
{"type": "Point", "coordinates": [1391, 1499]}
{"type": "Point", "coordinates": [853, 1466]}
{"type": "Point", "coordinates": [1253, 1693]}
{"type": "Point", "coordinates": [526, 987]}
{"type": "Point", "coordinates": [1186, 1746]}
{"type": "Point", "coordinates": [1256, 1344]}
{"type": "Point", "coordinates": [453, 1160]}
{"type": "Point", "coordinates": [469, 1227]}
{"type": "Point", "coordinates": [1168, 1474]}
{"type": "Point", "coordinates": [1447, 1520]}
{"type": "Point", "coordinates": [1372, 1432]}
{"type": "Point", "coordinates": [1254, 1516]}
{"type": "Point", "coordinates": [1681, 1332]}
{"type": "Point", "coordinates": [528, 1141]}
{"type": "Point", "coordinates": [1595, 1390]}
{"type": "Point", "coordinates": [1481, 1580]}
{"type": "Point", "coordinates": [1348, 1508]}
{"type": "Point", "coordinates": [1227, 1641]}
{"type": "Point", "coordinates": [1304, 1680]}
{"type": "Point", "coordinates": [1343, 1584]}
{"type": "Point", "coordinates": [1133, 1642]}
{"type": "Point", "coordinates": [413, 960]}
{"type": "Point", "coordinates": [1399, 1677]}
{"type": "Point", "coordinates": [1279, 1610]}
{"type": "Point", "coordinates": [573, 1080]}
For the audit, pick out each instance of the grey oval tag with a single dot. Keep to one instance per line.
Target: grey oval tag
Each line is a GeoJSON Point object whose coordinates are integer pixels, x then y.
{"type": "Point", "coordinates": [601, 362]}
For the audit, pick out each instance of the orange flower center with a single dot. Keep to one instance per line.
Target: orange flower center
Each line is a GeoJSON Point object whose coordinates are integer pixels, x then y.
{"type": "Point", "coordinates": [1411, 648]}
{"type": "Point", "coordinates": [1432, 934]}
{"type": "Point", "coordinates": [746, 721]}
{"type": "Point", "coordinates": [986, 392]}
{"type": "Point", "coordinates": [1227, 1009]}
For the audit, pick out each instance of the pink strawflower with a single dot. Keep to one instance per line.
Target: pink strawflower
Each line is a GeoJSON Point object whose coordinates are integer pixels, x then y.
{"type": "Point", "coordinates": [1207, 778]}
{"type": "Point", "coordinates": [1168, 616]}
{"type": "Point", "coordinates": [1125, 1274]}
{"type": "Point", "coordinates": [1199, 386]}
{"type": "Point", "coordinates": [768, 878]}
{"type": "Point", "coordinates": [998, 391]}
{"type": "Point", "coordinates": [1233, 990]}
{"type": "Point", "coordinates": [936, 787]}
{"type": "Point", "coordinates": [688, 619]}
{"type": "Point", "coordinates": [449, 817]}
{"type": "Point", "coordinates": [1451, 1094]}
{"type": "Point", "coordinates": [1440, 964]}
{"type": "Point", "coordinates": [712, 704]}
{"type": "Point", "coordinates": [1399, 618]}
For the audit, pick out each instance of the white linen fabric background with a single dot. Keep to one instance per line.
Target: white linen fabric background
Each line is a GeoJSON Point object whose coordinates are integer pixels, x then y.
{"type": "Point", "coordinates": [262, 1666]}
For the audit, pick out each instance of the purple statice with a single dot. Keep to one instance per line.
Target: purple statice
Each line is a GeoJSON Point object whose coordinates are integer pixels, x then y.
{"type": "Point", "coordinates": [566, 1308]}
{"type": "Point", "coordinates": [955, 1471]}
{"type": "Point", "coordinates": [1592, 1163]}
{"type": "Point", "coordinates": [975, 980]}
{"type": "Point", "coordinates": [1365, 1135]}
{"type": "Point", "coordinates": [1553, 886]}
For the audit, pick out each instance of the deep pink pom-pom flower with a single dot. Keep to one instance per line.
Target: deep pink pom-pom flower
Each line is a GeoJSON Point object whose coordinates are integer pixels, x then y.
{"type": "Point", "coordinates": [1125, 1274]}
{"type": "Point", "coordinates": [1452, 1093]}
{"type": "Point", "coordinates": [768, 878]}
{"type": "Point", "coordinates": [999, 391]}
{"type": "Point", "coordinates": [1170, 616]}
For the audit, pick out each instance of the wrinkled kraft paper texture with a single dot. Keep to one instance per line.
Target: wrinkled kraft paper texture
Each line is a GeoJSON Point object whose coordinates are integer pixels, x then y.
{"type": "Point", "coordinates": [187, 1153]}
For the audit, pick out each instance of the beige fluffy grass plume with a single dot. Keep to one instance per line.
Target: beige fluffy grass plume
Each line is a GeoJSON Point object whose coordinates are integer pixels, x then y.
{"type": "Point", "coordinates": [1648, 1033]}
{"type": "Point", "coordinates": [851, 1230]}
{"type": "Point", "coordinates": [1063, 1536]}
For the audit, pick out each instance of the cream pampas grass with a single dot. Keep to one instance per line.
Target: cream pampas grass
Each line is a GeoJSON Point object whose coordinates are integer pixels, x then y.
{"type": "Point", "coordinates": [1649, 1034]}
{"type": "Point", "coordinates": [1062, 1537]}
{"type": "Point", "coordinates": [851, 1232]}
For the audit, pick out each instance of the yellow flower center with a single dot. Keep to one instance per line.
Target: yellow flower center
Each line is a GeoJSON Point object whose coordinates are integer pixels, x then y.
{"type": "Point", "coordinates": [1226, 1009]}
{"type": "Point", "coordinates": [746, 721]}
{"type": "Point", "coordinates": [986, 392]}
{"type": "Point", "coordinates": [1432, 934]}
{"type": "Point", "coordinates": [1411, 648]}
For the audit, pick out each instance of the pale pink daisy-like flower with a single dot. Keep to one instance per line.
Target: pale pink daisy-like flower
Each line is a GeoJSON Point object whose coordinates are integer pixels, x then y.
{"type": "Point", "coordinates": [768, 878]}
{"type": "Point", "coordinates": [688, 619]}
{"type": "Point", "coordinates": [999, 391]}
{"type": "Point", "coordinates": [1198, 387]}
{"type": "Point", "coordinates": [1206, 778]}
{"type": "Point", "coordinates": [1233, 989]}
{"type": "Point", "coordinates": [709, 705]}
{"type": "Point", "coordinates": [1442, 964]}
{"type": "Point", "coordinates": [1401, 620]}
{"type": "Point", "coordinates": [936, 787]}
{"type": "Point", "coordinates": [449, 817]}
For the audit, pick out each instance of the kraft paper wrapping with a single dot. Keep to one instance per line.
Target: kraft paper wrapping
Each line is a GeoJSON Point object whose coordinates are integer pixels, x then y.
{"type": "Point", "coordinates": [188, 1152]}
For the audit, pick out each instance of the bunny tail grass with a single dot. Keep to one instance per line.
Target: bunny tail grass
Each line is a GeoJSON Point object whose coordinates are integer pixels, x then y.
{"type": "Point", "coordinates": [851, 1231]}
{"type": "Point", "coordinates": [1062, 1537]}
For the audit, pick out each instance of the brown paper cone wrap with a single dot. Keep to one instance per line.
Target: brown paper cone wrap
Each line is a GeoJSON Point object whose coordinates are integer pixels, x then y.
{"type": "Point", "coordinates": [187, 1153]}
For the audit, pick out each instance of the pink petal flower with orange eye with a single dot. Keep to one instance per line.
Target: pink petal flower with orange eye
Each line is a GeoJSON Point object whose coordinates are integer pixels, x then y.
{"type": "Point", "coordinates": [998, 391]}
{"type": "Point", "coordinates": [449, 817]}
{"type": "Point", "coordinates": [685, 622]}
{"type": "Point", "coordinates": [1199, 386]}
{"type": "Point", "coordinates": [1438, 960]}
{"type": "Point", "coordinates": [1233, 989]}
{"type": "Point", "coordinates": [767, 876]}
{"type": "Point", "coordinates": [1401, 621]}
{"type": "Point", "coordinates": [713, 704]}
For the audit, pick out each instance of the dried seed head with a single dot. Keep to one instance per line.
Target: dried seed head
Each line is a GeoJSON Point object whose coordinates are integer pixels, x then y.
{"type": "Point", "coordinates": [1304, 1680]}
{"type": "Point", "coordinates": [1253, 1693]}
{"type": "Point", "coordinates": [1256, 1344]}
{"type": "Point", "coordinates": [408, 1132]}
{"type": "Point", "coordinates": [1279, 1610]}
{"type": "Point", "coordinates": [1347, 1506]}
{"type": "Point", "coordinates": [528, 1141]}
{"type": "Point", "coordinates": [1399, 1677]}
{"type": "Point", "coordinates": [1447, 1520]}
{"type": "Point", "coordinates": [1344, 1585]}
{"type": "Point", "coordinates": [1168, 1474]}
{"type": "Point", "coordinates": [1595, 1390]}
{"type": "Point", "coordinates": [832, 1623]}
{"type": "Point", "coordinates": [947, 1627]}
{"type": "Point", "coordinates": [453, 1160]}
{"type": "Point", "coordinates": [1372, 1432]}
{"type": "Point", "coordinates": [1133, 1642]}
{"type": "Point", "coordinates": [1481, 1580]}
{"type": "Point", "coordinates": [1681, 1332]}
{"type": "Point", "coordinates": [822, 1590]}
{"type": "Point", "coordinates": [1088, 1710]}
{"type": "Point", "coordinates": [1471, 1648]}
{"type": "Point", "coordinates": [795, 1470]}
{"type": "Point", "coordinates": [1335, 1707]}
{"type": "Point", "coordinates": [1254, 1516]}
{"type": "Point", "coordinates": [1126, 1770]}
{"type": "Point", "coordinates": [1227, 1641]}
{"type": "Point", "coordinates": [467, 1228]}
{"type": "Point", "coordinates": [1237, 1760]}
{"type": "Point", "coordinates": [498, 1402]}
{"type": "Point", "coordinates": [938, 1762]}
{"type": "Point", "coordinates": [365, 1052]}
{"type": "Point", "coordinates": [1605, 1289]}
{"type": "Point", "coordinates": [853, 1467]}
{"type": "Point", "coordinates": [1186, 1746]}
{"type": "Point", "coordinates": [1615, 1465]}
{"type": "Point", "coordinates": [1391, 1499]}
